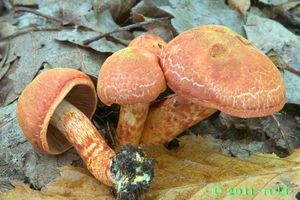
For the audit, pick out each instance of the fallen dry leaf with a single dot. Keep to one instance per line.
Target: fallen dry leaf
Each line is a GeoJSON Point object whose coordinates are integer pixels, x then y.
{"type": "Point", "coordinates": [7, 29]}
{"type": "Point", "coordinates": [240, 5]}
{"type": "Point", "coordinates": [289, 12]}
{"type": "Point", "coordinates": [190, 13]}
{"type": "Point", "coordinates": [161, 29]}
{"type": "Point", "coordinates": [292, 82]}
{"type": "Point", "coordinates": [25, 2]}
{"type": "Point", "coordinates": [273, 2]}
{"type": "Point", "coordinates": [37, 48]}
{"type": "Point", "coordinates": [81, 14]}
{"type": "Point", "coordinates": [117, 7]}
{"type": "Point", "coordinates": [289, 6]}
{"type": "Point", "coordinates": [150, 8]}
{"type": "Point", "coordinates": [18, 160]}
{"type": "Point", "coordinates": [281, 44]}
{"type": "Point", "coordinates": [270, 35]}
{"type": "Point", "coordinates": [7, 94]}
{"type": "Point", "coordinates": [68, 11]}
{"type": "Point", "coordinates": [104, 23]}
{"type": "Point", "coordinates": [196, 170]}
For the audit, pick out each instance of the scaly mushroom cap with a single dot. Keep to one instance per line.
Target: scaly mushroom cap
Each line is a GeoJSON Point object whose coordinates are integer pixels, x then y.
{"type": "Point", "coordinates": [149, 42]}
{"type": "Point", "coordinates": [215, 67]}
{"type": "Point", "coordinates": [40, 98]}
{"type": "Point", "coordinates": [130, 76]}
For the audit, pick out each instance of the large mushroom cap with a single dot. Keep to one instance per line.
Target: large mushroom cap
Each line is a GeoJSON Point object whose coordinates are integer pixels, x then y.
{"type": "Point", "coordinates": [149, 42]}
{"type": "Point", "coordinates": [130, 76]}
{"type": "Point", "coordinates": [214, 66]}
{"type": "Point", "coordinates": [40, 98]}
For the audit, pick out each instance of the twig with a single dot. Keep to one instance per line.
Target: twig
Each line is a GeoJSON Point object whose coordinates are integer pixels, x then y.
{"type": "Point", "coordinates": [287, 16]}
{"type": "Point", "coordinates": [118, 40]}
{"type": "Point", "coordinates": [124, 28]}
{"type": "Point", "coordinates": [113, 142]}
{"type": "Point", "coordinates": [106, 115]}
{"type": "Point", "coordinates": [28, 29]}
{"type": "Point", "coordinates": [290, 69]}
{"type": "Point", "coordinates": [3, 69]}
{"type": "Point", "coordinates": [4, 59]}
{"type": "Point", "coordinates": [25, 9]}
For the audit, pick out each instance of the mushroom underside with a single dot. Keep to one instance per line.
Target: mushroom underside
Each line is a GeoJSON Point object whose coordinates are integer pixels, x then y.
{"type": "Point", "coordinates": [80, 96]}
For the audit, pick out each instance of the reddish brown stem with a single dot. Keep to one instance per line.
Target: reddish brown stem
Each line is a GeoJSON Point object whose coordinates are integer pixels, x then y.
{"type": "Point", "coordinates": [86, 139]}
{"type": "Point", "coordinates": [170, 117]}
{"type": "Point", "coordinates": [131, 123]}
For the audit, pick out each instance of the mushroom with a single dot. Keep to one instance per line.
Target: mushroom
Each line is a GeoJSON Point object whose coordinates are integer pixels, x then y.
{"type": "Point", "coordinates": [212, 67]}
{"type": "Point", "coordinates": [149, 42]}
{"type": "Point", "coordinates": [174, 109]}
{"type": "Point", "coordinates": [132, 78]}
{"type": "Point", "coordinates": [177, 113]}
{"type": "Point", "coordinates": [54, 113]}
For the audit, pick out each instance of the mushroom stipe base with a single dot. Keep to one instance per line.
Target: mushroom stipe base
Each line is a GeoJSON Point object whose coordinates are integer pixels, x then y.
{"type": "Point", "coordinates": [129, 171]}
{"type": "Point", "coordinates": [132, 171]}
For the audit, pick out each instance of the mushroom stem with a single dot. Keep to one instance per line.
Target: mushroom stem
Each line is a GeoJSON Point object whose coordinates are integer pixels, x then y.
{"type": "Point", "coordinates": [86, 139]}
{"type": "Point", "coordinates": [170, 117]}
{"type": "Point", "coordinates": [130, 171]}
{"type": "Point", "coordinates": [131, 123]}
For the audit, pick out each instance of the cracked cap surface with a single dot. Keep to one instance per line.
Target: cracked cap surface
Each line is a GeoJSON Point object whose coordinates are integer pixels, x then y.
{"type": "Point", "coordinates": [129, 76]}
{"type": "Point", "coordinates": [149, 42]}
{"type": "Point", "coordinates": [215, 67]}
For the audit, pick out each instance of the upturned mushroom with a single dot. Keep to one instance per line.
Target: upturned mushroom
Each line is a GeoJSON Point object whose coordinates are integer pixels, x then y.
{"type": "Point", "coordinates": [131, 78]}
{"type": "Point", "coordinates": [54, 113]}
{"type": "Point", "coordinates": [148, 42]}
{"type": "Point", "coordinates": [213, 68]}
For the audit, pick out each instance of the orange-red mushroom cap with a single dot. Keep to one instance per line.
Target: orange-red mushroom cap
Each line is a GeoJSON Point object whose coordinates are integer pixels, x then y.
{"type": "Point", "coordinates": [40, 98]}
{"type": "Point", "coordinates": [149, 42]}
{"type": "Point", "coordinates": [214, 66]}
{"type": "Point", "coordinates": [130, 76]}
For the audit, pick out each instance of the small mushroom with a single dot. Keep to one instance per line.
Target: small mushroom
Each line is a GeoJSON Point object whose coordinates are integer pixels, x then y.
{"type": "Point", "coordinates": [54, 113]}
{"type": "Point", "coordinates": [178, 113]}
{"type": "Point", "coordinates": [149, 42]}
{"type": "Point", "coordinates": [131, 78]}
{"type": "Point", "coordinates": [213, 67]}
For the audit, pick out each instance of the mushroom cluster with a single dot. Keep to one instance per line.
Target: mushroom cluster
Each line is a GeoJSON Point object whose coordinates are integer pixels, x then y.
{"type": "Point", "coordinates": [209, 68]}
{"type": "Point", "coordinates": [54, 113]}
{"type": "Point", "coordinates": [212, 68]}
